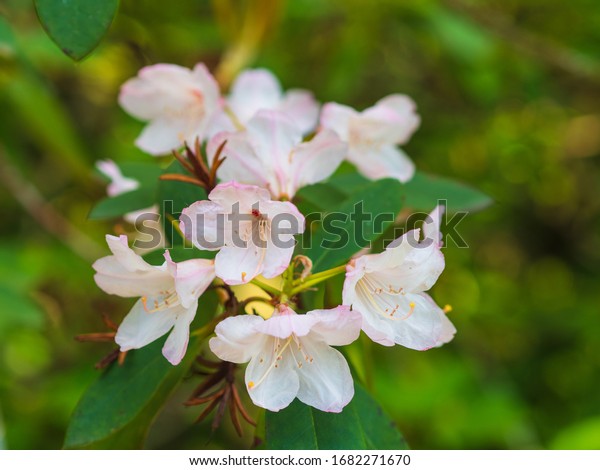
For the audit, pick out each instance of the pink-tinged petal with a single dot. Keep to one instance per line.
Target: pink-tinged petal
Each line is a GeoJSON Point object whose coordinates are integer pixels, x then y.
{"type": "Point", "coordinates": [177, 341]}
{"type": "Point", "coordinates": [204, 224]}
{"type": "Point", "coordinates": [431, 226]}
{"type": "Point", "coordinates": [274, 135]}
{"type": "Point", "coordinates": [316, 160]}
{"type": "Point", "coordinates": [241, 162]}
{"type": "Point", "coordinates": [119, 184]}
{"type": "Point", "coordinates": [448, 331]}
{"type": "Point", "coordinates": [155, 89]}
{"type": "Point", "coordinates": [231, 193]}
{"type": "Point", "coordinates": [271, 379]}
{"type": "Point", "coordinates": [385, 161]}
{"type": "Point", "coordinates": [192, 278]}
{"type": "Point", "coordinates": [325, 379]}
{"type": "Point", "coordinates": [239, 265]}
{"type": "Point", "coordinates": [237, 339]}
{"type": "Point", "coordinates": [252, 91]}
{"type": "Point", "coordinates": [397, 118]}
{"type": "Point", "coordinates": [126, 274]}
{"type": "Point", "coordinates": [277, 259]}
{"type": "Point", "coordinates": [337, 326]}
{"type": "Point", "coordinates": [337, 117]}
{"type": "Point", "coordinates": [206, 86]}
{"type": "Point", "coordinates": [162, 136]}
{"type": "Point", "coordinates": [113, 279]}
{"type": "Point", "coordinates": [141, 327]}
{"type": "Point", "coordinates": [285, 322]}
{"type": "Point", "coordinates": [126, 256]}
{"type": "Point", "coordinates": [302, 107]}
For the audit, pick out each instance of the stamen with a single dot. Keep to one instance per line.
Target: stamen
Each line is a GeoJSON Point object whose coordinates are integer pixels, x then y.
{"type": "Point", "coordinates": [169, 299]}
{"type": "Point", "coordinates": [447, 308]}
{"type": "Point", "coordinates": [376, 296]}
{"type": "Point", "coordinates": [274, 364]}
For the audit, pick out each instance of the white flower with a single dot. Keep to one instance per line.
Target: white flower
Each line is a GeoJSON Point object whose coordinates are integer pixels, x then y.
{"type": "Point", "coordinates": [254, 234]}
{"type": "Point", "coordinates": [258, 89]}
{"type": "Point", "coordinates": [120, 184]}
{"type": "Point", "coordinates": [270, 153]}
{"type": "Point", "coordinates": [168, 296]}
{"type": "Point", "coordinates": [374, 133]}
{"type": "Point", "coordinates": [388, 290]}
{"type": "Point", "coordinates": [179, 103]}
{"type": "Point", "coordinates": [291, 356]}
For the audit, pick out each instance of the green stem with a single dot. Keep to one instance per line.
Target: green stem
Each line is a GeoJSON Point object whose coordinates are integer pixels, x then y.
{"type": "Point", "coordinates": [266, 287]}
{"type": "Point", "coordinates": [317, 278]}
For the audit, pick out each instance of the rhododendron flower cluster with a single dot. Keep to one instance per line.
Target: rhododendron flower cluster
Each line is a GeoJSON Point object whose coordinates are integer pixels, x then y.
{"type": "Point", "coordinates": [273, 143]}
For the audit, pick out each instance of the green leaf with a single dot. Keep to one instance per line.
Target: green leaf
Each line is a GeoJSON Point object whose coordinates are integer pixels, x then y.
{"type": "Point", "coordinates": [361, 425]}
{"type": "Point", "coordinates": [321, 195]}
{"type": "Point", "coordinates": [423, 192]}
{"type": "Point", "coordinates": [117, 410]}
{"type": "Point", "coordinates": [339, 237]}
{"type": "Point", "coordinates": [147, 174]}
{"type": "Point", "coordinates": [130, 201]}
{"type": "Point", "coordinates": [76, 26]}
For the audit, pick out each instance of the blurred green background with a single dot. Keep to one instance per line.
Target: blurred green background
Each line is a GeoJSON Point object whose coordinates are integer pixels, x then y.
{"type": "Point", "coordinates": [509, 94]}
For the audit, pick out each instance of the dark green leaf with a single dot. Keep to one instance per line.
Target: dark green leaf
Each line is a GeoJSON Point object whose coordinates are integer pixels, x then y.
{"type": "Point", "coordinates": [130, 201]}
{"type": "Point", "coordinates": [323, 196]}
{"type": "Point", "coordinates": [342, 234]}
{"type": "Point", "coordinates": [422, 192]}
{"type": "Point", "coordinates": [76, 26]}
{"type": "Point", "coordinates": [361, 425]}
{"type": "Point", "coordinates": [117, 410]}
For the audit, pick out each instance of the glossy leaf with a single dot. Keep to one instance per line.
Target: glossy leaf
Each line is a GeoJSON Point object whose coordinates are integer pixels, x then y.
{"type": "Point", "coordinates": [130, 201]}
{"type": "Point", "coordinates": [361, 425]}
{"type": "Point", "coordinates": [340, 235]}
{"type": "Point", "coordinates": [423, 192]}
{"type": "Point", "coordinates": [76, 26]}
{"type": "Point", "coordinates": [117, 410]}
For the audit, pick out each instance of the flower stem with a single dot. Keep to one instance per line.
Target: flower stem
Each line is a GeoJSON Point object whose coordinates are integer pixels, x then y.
{"type": "Point", "coordinates": [266, 287]}
{"type": "Point", "coordinates": [317, 278]}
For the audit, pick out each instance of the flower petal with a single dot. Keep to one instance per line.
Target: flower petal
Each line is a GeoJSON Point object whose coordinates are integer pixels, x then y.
{"type": "Point", "coordinates": [241, 163]}
{"type": "Point", "coordinates": [162, 136]}
{"type": "Point", "coordinates": [155, 89]}
{"type": "Point", "coordinates": [204, 223]}
{"type": "Point", "coordinates": [192, 278]}
{"type": "Point", "coordinates": [417, 322]}
{"type": "Point", "coordinates": [237, 338]}
{"type": "Point", "coordinates": [285, 322]}
{"type": "Point", "coordinates": [302, 107]}
{"type": "Point", "coordinates": [385, 161]}
{"type": "Point", "coordinates": [177, 341]}
{"type": "Point", "coordinates": [272, 383]}
{"type": "Point", "coordinates": [337, 117]}
{"type": "Point", "coordinates": [337, 326]}
{"type": "Point", "coordinates": [141, 327]}
{"type": "Point", "coordinates": [325, 379]}
{"type": "Point", "coordinates": [126, 274]}
{"type": "Point", "coordinates": [393, 120]}
{"type": "Point", "coordinates": [119, 184]}
{"type": "Point", "coordinates": [316, 160]}
{"type": "Point", "coordinates": [239, 265]}
{"type": "Point", "coordinates": [252, 91]}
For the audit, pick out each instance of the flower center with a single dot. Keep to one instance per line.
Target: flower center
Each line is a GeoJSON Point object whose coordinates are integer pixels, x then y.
{"type": "Point", "coordinates": [164, 300]}
{"type": "Point", "coordinates": [382, 298]}
{"type": "Point", "coordinates": [278, 354]}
